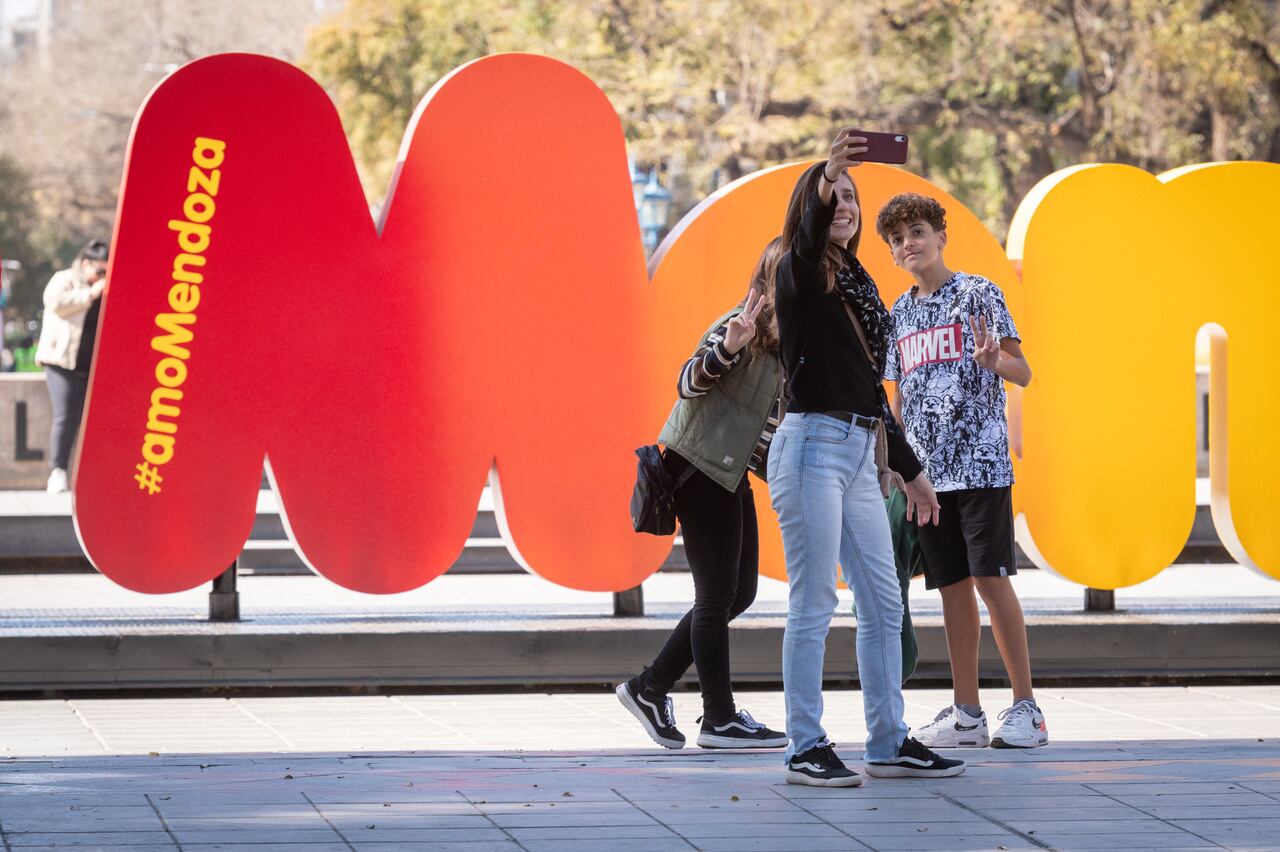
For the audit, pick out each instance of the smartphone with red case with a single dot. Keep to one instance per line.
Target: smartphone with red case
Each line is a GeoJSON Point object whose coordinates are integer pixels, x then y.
{"type": "Point", "coordinates": [884, 147]}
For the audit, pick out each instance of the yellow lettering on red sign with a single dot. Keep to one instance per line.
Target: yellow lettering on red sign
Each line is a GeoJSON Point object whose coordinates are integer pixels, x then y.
{"type": "Point", "coordinates": [171, 372]}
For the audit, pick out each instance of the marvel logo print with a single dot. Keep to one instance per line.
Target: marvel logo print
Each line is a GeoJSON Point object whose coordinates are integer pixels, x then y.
{"type": "Point", "coordinates": [931, 346]}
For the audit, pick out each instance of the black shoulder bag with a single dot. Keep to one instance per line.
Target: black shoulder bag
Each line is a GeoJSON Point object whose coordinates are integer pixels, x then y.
{"type": "Point", "coordinates": [653, 501]}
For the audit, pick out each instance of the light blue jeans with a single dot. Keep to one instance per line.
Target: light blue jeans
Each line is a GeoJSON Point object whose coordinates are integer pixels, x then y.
{"type": "Point", "coordinates": [823, 483]}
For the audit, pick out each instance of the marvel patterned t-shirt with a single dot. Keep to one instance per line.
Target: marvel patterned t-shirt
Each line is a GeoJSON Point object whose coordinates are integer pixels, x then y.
{"type": "Point", "coordinates": [953, 409]}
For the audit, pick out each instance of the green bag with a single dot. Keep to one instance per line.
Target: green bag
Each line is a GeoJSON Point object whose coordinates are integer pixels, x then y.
{"type": "Point", "coordinates": [909, 560]}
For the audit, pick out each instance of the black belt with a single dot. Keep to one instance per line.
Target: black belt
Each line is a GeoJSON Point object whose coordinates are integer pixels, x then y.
{"type": "Point", "coordinates": [868, 423]}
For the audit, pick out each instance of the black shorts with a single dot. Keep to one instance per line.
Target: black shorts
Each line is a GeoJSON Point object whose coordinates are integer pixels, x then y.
{"type": "Point", "coordinates": [974, 537]}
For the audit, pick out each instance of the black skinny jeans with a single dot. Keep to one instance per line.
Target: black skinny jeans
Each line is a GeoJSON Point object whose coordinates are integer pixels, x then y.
{"type": "Point", "coordinates": [721, 542]}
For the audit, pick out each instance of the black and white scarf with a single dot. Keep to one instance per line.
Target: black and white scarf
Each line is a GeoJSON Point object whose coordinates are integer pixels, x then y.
{"type": "Point", "coordinates": [855, 286]}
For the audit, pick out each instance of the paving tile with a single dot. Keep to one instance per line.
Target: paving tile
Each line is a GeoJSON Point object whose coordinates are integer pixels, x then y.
{"type": "Point", "coordinates": [951, 843]}
{"type": "Point", "coordinates": [1251, 813]}
{"type": "Point", "coordinates": [1268, 787]}
{"type": "Point", "coordinates": [911, 828]}
{"type": "Point", "coordinates": [868, 790]}
{"type": "Point", "coordinates": [897, 812]}
{"type": "Point", "coordinates": [1144, 840]}
{"type": "Point", "coordinates": [1231, 831]}
{"type": "Point", "coordinates": [410, 846]}
{"type": "Point", "coordinates": [773, 844]}
{"type": "Point", "coordinates": [646, 845]}
{"type": "Point", "coordinates": [424, 835]}
{"type": "Point", "coordinates": [245, 821]}
{"type": "Point", "coordinates": [1102, 812]}
{"type": "Point", "coordinates": [258, 834]}
{"type": "Point", "coordinates": [616, 807]}
{"type": "Point", "coordinates": [1101, 827]}
{"type": "Point", "coordinates": [41, 818]}
{"type": "Point", "coordinates": [389, 819]}
{"type": "Point", "coordinates": [400, 793]}
{"type": "Point", "coordinates": [977, 786]}
{"type": "Point", "coordinates": [1168, 788]}
{"type": "Point", "coordinates": [616, 832]}
{"type": "Point", "coordinates": [235, 809]}
{"type": "Point", "coordinates": [1029, 802]}
{"type": "Point", "coordinates": [91, 848]}
{"type": "Point", "coordinates": [813, 833]}
{"type": "Point", "coordinates": [266, 847]}
{"type": "Point", "coordinates": [766, 817]}
{"type": "Point", "coordinates": [118, 839]}
{"type": "Point", "coordinates": [571, 817]}
{"type": "Point", "coordinates": [1194, 800]}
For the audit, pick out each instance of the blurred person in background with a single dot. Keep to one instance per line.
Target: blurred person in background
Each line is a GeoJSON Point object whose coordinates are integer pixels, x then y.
{"type": "Point", "coordinates": [72, 299]}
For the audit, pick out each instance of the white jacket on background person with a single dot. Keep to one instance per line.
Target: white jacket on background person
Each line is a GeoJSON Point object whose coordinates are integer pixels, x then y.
{"type": "Point", "coordinates": [67, 298]}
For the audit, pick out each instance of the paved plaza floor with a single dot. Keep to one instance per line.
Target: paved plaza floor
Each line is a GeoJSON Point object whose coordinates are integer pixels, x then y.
{"type": "Point", "coordinates": [1129, 768]}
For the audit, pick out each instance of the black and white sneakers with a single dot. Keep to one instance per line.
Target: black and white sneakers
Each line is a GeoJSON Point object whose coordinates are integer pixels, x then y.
{"type": "Point", "coordinates": [653, 712]}
{"type": "Point", "coordinates": [739, 732]}
{"type": "Point", "coordinates": [914, 761]}
{"type": "Point", "coordinates": [820, 767]}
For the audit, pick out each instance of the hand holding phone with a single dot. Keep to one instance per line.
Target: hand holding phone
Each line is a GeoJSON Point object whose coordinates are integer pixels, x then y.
{"type": "Point", "coordinates": [882, 147]}
{"type": "Point", "coordinates": [853, 147]}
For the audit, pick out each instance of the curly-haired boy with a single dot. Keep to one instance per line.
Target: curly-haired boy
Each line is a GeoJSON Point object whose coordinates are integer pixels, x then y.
{"type": "Point", "coordinates": [956, 346]}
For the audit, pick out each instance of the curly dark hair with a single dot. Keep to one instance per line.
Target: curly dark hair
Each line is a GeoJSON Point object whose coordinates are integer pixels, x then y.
{"type": "Point", "coordinates": [906, 208]}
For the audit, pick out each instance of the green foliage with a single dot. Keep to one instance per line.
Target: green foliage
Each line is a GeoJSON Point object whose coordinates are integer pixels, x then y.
{"type": "Point", "coordinates": [17, 213]}
{"type": "Point", "coordinates": [996, 94]}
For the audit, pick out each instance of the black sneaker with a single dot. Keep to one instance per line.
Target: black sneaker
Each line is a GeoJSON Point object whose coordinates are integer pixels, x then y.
{"type": "Point", "coordinates": [915, 761]}
{"type": "Point", "coordinates": [820, 767]}
{"type": "Point", "coordinates": [739, 732]}
{"type": "Point", "coordinates": [654, 713]}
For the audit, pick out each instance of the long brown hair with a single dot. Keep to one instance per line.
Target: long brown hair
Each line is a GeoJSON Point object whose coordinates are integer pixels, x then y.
{"type": "Point", "coordinates": [807, 187]}
{"type": "Point", "coordinates": [764, 280]}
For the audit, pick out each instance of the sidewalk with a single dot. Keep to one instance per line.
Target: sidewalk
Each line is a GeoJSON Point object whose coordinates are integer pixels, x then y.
{"type": "Point", "coordinates": [1133, 768]}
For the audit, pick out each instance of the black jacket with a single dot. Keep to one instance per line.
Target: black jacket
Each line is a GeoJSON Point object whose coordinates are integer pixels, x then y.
{"type": "Point", "coordinates": [826, 366]}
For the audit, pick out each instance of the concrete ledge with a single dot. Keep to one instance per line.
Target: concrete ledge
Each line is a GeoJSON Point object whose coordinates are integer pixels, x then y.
{"type": "Point", "coordinates": [471, 650]}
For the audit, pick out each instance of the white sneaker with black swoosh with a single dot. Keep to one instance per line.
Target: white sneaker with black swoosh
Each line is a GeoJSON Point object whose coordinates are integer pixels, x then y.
{"type": "Point", "coordinates": [914, 761]}
{"type": "Point", "coordinates": [1023, 727]}
{"type": "Point", "coordinates": [954, 728]}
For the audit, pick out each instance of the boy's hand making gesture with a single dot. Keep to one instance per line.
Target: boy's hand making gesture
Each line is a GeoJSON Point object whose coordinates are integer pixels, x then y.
{"type": "Point", "coordinates": [1002, 357]}
{"type": "Point", "coordinates": [986, 350]}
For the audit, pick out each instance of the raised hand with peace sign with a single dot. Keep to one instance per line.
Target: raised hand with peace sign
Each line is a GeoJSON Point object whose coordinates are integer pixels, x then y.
{"type": "Point", "coordinates": [1002, 356]}
{"type": "Point", "coordinates": [742, 328]}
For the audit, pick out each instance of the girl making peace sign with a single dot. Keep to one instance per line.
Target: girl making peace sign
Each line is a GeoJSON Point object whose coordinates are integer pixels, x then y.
{"type": "Point", "coordinates": [720, 428]}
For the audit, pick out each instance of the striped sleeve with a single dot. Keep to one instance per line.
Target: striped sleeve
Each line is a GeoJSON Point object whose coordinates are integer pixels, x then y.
{"type": "Point", "coordinates": [708, 364]}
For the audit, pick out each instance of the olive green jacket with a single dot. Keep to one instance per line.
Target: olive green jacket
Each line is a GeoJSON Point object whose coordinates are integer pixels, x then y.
{"type": "Point", "coordinates": [718, 431]}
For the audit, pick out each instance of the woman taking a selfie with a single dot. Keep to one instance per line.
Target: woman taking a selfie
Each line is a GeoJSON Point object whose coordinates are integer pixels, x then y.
{"type": "Point", "coordinates": [719, 429]}
{"type": "Point", "coordinates": [824, 481]}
